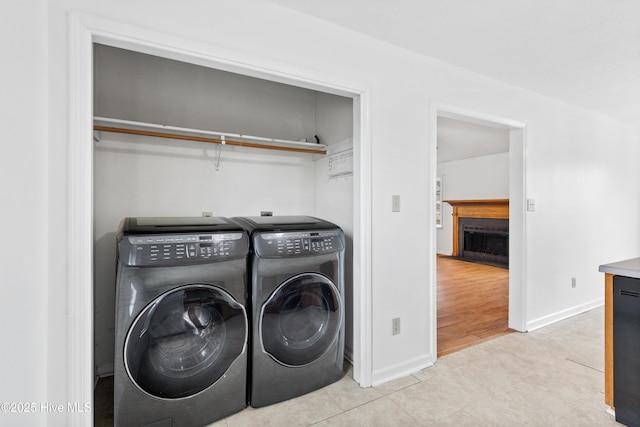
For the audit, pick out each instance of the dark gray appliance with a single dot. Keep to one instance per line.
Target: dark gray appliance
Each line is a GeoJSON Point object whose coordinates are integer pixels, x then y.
{"type": "Point", "coordinates": [297, 298]}
{"type": "Point", "coordinates": [626, 350]}
{"type": "Point", "coordinates": [181, 321]}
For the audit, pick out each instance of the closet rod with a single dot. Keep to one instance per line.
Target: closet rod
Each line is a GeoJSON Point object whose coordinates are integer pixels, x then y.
{"type": "Point", "coordinates": [204, 139]}
{"type": "Point", "coordinates": [183, 134]}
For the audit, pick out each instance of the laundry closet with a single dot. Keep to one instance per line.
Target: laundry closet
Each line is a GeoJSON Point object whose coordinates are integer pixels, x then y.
{"type": "Point", "coordinates": [287, 150]}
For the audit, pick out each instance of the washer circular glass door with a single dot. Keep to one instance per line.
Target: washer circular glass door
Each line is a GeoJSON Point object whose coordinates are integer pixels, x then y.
{"type": "Point", "coordinates": [185, 340]}
{"type": "Point", "coordinates": [301, 319]}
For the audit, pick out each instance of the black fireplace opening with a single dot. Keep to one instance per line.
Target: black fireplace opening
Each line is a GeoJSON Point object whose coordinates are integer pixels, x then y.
{"type": "Point", "coordinates": [484, 240]}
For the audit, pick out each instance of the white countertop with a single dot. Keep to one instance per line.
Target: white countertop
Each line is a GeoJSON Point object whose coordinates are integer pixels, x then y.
{"type": "Point", "coordinates": [628, 268]}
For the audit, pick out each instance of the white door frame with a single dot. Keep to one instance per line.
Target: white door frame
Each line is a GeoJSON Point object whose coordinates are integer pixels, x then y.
{"type": "Point", "coordinates": [517, 203]}
{"type": "Point", "coordinates": [87, 29]}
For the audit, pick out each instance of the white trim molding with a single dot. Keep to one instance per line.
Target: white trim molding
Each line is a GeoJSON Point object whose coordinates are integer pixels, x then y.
{"type": "Point", "coordinates": [88, 29]}
{"type": "Point", "coordinates": [403, 369]}
{"type": "Point", "coordinates": [80, 223]}
{"type": "Point", "coordinates": [517, 217]}
{"type": "Point", "coordinates": [563, 314]}
{"type": "Point", "coordinates": [362, 269]}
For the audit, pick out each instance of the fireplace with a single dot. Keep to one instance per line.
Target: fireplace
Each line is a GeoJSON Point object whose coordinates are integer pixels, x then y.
{"type": "Point", "coordinates": [481, 230]}
{"type": "Point", "coordinates": [484, 240]}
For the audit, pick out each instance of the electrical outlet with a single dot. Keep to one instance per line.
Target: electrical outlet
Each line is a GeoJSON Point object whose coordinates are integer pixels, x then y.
{"type": "Point", "coordinates": [573, 282]}
{"type": "Point", "coordinates": [395, 326]}
{"type": "Point", "coordinates": [531, 205]}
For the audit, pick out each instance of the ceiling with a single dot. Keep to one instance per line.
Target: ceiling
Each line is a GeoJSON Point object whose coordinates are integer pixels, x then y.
{"type": "Point", "coordinates": [459, 140]}
{"type": "Point", "coordinates": [585, 52]}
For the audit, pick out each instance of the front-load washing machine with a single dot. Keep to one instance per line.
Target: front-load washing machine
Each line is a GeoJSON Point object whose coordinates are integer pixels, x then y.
{"type": "Point", "coordinates": [181, 321]}
{"type": "Point", "coordinates": [297, 299]}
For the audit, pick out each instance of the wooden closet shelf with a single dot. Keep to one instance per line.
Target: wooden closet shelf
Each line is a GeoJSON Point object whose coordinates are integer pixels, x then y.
{"type": "Point", "coordinates": [171, 132]}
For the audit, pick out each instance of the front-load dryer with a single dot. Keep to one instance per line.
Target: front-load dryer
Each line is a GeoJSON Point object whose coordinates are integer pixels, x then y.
{"type": "Point", "coordinates": [297, 299]}
{"type": "Point", "coordinates": [181, 321]}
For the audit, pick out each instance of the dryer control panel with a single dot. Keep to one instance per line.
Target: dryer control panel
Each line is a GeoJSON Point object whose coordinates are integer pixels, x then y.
{"type": "Point", "coordinates": [303, 243]}
{"type": "Point", "coordinates": [182, 249]}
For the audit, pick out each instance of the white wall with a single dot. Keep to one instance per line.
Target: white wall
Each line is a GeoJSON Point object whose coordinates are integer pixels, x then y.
{"type": "Point", "coordinates": [485, 177]}
{"type": "Point", "coordinates": [581, 169]}
{"type": "Point", "coordinates": [334, 183]}
{"type": "Point", "coordinates": [24, 256]}
{"type": "Point", "coordinates": [333, 118]}
{"type": "Point", "coordinates": [334, 202]}
{"type": "Point", "coordinates": [585, 180]}
{"type": "Point", "coordinates": [134, 86]}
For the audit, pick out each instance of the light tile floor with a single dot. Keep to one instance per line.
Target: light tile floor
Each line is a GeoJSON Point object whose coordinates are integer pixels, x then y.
{"type": "Point", "coordinates": [549, 377]}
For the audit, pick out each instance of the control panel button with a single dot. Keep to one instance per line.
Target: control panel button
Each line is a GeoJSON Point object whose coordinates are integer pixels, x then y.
{"type": "Point", "coordinates": [186, 249]}
{"type": "Point", "coordinates": [301, 243]}
{"type": "Point", "coordinates": [192, 250]}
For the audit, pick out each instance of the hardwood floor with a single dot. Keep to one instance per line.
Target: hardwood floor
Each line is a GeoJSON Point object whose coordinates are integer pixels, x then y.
{"type": "Point", "coordinates": [473, 304]}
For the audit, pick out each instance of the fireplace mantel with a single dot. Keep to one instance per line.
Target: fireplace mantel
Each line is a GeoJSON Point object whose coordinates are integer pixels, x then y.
{"type": "Point", "coordinates": [484, 208]}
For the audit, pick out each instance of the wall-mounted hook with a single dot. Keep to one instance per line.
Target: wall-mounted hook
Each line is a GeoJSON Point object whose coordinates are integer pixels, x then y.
{"type": "Point", "coordinates": [219, 151]}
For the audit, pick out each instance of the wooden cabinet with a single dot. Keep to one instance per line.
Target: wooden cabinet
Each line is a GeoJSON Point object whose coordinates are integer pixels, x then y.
{"type": "Point", "coordinates": [608, 339]}
{"type": "Point", "coordinates": [627, 268]}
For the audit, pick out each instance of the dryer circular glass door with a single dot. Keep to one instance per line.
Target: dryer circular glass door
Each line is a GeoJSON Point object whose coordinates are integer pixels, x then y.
{"type": "Point", "coordinates": [185, 340]}
{"type": "Point", "coordinates": [301, 319]}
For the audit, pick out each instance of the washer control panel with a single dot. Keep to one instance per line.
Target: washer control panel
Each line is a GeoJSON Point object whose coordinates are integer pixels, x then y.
{"type": "Point", "coordinates": [180, 249]}
{"type": "Point", "coordinates": [303, 243]}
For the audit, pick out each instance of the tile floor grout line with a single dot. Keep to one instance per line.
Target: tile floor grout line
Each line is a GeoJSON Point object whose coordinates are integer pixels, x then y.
{"type": "Point", "coordinates": [361, 405]}
{"type": "Point", "coordinates": [400, 407]}
{"type": "Point", "coordinates": [586, 366]}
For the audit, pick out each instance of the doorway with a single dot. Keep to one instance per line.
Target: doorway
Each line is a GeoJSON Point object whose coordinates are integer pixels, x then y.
{"type": "Point", "coordinates": [494, 151]}
{"type": "Point", "coordinates": [86, 30]}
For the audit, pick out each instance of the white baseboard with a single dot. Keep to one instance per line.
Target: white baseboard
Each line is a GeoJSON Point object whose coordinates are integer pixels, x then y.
{"type": "Point", "coordinates": [402, 370]}
{"type": "Point", "coordinates": [564, 314]}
